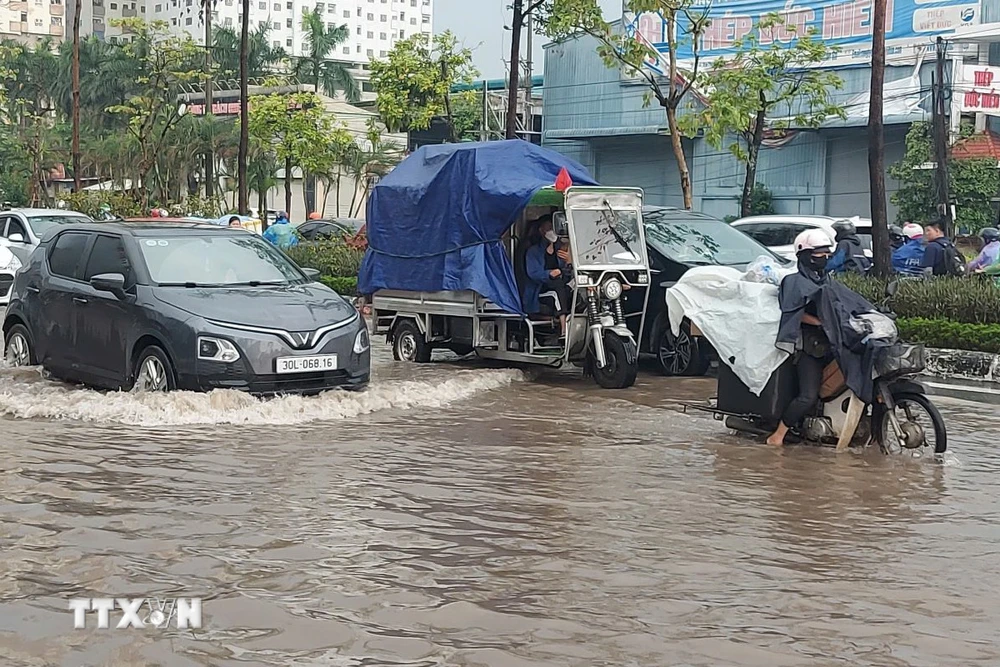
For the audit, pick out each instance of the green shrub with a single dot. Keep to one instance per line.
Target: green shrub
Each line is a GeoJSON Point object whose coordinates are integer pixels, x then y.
{"type": "Point", "coordinates": [330, 257]}
{"type": "Point", "coordinates": [89, 202]}
{"type": "Point", "coordinates": [950, 335]}
{"type": "Point", "coordinates": [971, 300]}
{"type": "Point", "coordinates": [343, 285]}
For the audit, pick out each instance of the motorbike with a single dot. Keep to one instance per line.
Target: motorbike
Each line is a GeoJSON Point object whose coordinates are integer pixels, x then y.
{"type": "Point", "coordinates": [901, 417]}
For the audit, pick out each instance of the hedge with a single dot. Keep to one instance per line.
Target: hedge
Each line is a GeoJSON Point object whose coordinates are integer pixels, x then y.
{"type": "Point", "coordinates": [343, 285]}
{"type": "Point", "coordinates": [950, 335]}
{"type": "Point", "coordinates": [972, 300]}
{"type": "Point", "coordinates": [331, 257]}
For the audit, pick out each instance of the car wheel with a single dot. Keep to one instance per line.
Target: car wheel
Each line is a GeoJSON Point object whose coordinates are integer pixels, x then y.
{"type": "Point", "coordinates": [18, 350]}
{"type": "Point", "coordinates": [681, 354]}
{"type": "Point", "coordinates": [408, 343]}
{"type": "Point", "coordinates": [153, 371]}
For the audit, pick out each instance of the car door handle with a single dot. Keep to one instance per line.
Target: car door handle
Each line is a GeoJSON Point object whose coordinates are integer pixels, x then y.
{"type": "Point", "coordinates": [79, 299]}
{"type": "Point", "coordinates": [32, 288]}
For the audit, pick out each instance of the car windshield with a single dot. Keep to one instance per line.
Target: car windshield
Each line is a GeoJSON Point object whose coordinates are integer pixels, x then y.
{"type": "Point", "coordinates": [211, 260]}
{"type": "Point", "coordinates": [607, 237]}
{"type": "Point", "coordinates": [40, 224]}
{"type": "Point", "coordinates": [703, 242]}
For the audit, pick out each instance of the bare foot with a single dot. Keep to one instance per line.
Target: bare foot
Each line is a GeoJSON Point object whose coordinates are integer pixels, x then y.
{"type": "Point", "coordinates": [775, 441]}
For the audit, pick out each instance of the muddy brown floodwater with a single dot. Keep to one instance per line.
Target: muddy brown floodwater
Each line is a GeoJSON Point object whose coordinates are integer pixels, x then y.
{"type": "Point", "coordinates": [456, 514]}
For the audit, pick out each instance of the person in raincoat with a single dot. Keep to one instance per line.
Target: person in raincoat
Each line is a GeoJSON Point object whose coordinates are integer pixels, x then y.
{"type": "Point", "coordinates": [907, 259]}
{"type": "Point", "coordinates": [547, 271]}
{"type": "Point", "coordinates": [849, 257]}
{"type": "Point", "coordinates": [281, 233]}
{"type": "Point", "coordinates": [990, 252]}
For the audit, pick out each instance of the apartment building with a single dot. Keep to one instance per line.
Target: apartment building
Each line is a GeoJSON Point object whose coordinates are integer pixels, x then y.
{"type": "Point", "coordinates": [374, 25]}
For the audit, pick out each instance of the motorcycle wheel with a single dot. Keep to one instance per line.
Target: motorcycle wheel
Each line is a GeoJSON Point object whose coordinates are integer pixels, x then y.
{"type": "Point", "coordinates": [618, 372]}
{"type": "Point", "coordinates": [908, 406]}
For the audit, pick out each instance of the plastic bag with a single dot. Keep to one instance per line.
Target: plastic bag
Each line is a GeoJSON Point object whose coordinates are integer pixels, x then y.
{"type": "Point", "coordinates": [875, 326]}
{"type": "Point", "coordinates": [765, 269]}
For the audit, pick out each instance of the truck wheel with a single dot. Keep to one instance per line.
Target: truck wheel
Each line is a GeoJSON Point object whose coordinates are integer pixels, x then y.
{"type": "Point", "coordinates": [681, 354]}
{"type": "Point", "coordinates": [622, 363]}
{"type": "Point", "coordinates": [408, 343]}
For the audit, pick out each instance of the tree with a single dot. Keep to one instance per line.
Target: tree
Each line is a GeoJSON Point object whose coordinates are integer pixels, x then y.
{"type": "Point", "coordinates": [764, 77]}
{"type": "Point", "coordinates": [974, 183]}
{"type": "Point", "coordinates": [369, 161]}
{"type": "Point", "coordinates": [167, 62]}
{"type": "Point", "coordinates": [414, 82]}
{"type": "Point", "coordinates": [300, 133]}
{"type": "Point", "coordinates": [328, 76]}
{"type": "Point", "coordinates": [876, 146]}
{"type": "Point", "coordinates": [620, 50]}
{"type": "Point", "coordinates": [263, 59]}
{"type": "Point", "coordinates": [76, 94]}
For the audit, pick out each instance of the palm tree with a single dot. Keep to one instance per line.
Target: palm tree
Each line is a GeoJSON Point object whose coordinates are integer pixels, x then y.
{"type": "Point", "coordinates": [368, 162]}
{"type": "Point", "coordinates": [263, 59]}
{"type": "Point", "coordinates": [328, 76]}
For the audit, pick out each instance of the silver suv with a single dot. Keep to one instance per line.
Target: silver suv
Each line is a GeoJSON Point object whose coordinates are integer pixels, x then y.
{"type": "Point", "coordinates": [22, 229]}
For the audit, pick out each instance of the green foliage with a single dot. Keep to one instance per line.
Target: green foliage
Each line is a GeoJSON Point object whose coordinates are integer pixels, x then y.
{"type": "Point", "coordinates": [950, 335]}
{"type": "Point", "coordinates": [95, 203]}
{"type": "Point", "coordinates": [971, 300]}
{"type": "Point", "coordinates": [263, 59]}
{"type": "Point", "coordinates": [343, 285]}
{"type": "Point", "coordinates": [761, 201]}
{"type": "Point", "coordinates": [331, 257]}
{"type": "Point", "coordinates": [414, 82]}
{"type": "Point", "coordinates": [316, 67]}
{"type": "Point", "coordinates": [972, 183]}
{"type": "Point", "coordinates": [199, 207]}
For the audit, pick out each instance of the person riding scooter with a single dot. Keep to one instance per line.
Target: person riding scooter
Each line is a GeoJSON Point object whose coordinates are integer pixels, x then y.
{"type": "Point", "coordinates": [906, 259]}
{"type": "Point", "coordinates": [849, 256]}
{"type": "Point", "coordinates": [990, 252]}
{"type": "Point", "coordinates": [798, 292]}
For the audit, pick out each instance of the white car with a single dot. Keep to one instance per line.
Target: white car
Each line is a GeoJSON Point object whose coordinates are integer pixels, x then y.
{"type": "Point", "coordinates": [9, 264]}
{"type": "Point", "coordinates": [778, 232]}
{"type": "Point", "coordinates": [22, 229]}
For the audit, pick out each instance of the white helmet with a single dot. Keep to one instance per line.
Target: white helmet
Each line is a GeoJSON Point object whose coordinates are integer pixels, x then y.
{"type": "Point", "coordinates": [813, 239]}
{"type": "Point", "coordinates": [912, 231]}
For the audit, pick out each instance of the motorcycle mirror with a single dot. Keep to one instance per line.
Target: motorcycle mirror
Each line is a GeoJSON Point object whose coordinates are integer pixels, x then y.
{"type": "Point", "coordinates": [892, 288]}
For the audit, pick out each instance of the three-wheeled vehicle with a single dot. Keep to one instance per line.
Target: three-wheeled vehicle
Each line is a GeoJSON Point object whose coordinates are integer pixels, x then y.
{"type": "Point", "coordinates": [602, 229]}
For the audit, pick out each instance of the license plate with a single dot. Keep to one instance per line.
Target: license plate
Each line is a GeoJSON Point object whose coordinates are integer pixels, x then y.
{"type": "Point", "coordinates": [323, 362]}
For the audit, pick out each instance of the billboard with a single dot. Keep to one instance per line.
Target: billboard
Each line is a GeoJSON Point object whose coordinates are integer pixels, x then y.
{"type": "Point", "coordinates": [846, 24]}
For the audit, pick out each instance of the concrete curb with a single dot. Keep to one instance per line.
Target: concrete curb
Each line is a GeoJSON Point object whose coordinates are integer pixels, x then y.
{"type": "Point", "coordinates": [970, 376]}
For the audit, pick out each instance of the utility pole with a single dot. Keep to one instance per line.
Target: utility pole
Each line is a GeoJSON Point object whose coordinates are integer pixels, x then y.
{"type": "Point", "coordinates": [941, 141]}
{"type": "Point", "coordinates": [210, 154]}
{"type": "Point", "coordinates": [876, 146]}
{"type": "Point", "coordinates": [528, 72]}
{"type": "Point", "coordinates": [76, 95]}
{"type": "Point", "coordinates": [515, 67]}
{"type": "Point", "coordinates": [244, 152]}
{"type": "Point", "coordinates": [484, 130]}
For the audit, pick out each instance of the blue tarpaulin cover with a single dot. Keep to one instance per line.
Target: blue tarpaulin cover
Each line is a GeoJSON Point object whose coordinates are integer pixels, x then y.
{"type": "Point", "coordinates": [435, 222]}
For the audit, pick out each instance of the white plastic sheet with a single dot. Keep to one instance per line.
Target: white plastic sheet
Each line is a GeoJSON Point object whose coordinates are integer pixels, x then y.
{"type": "Point", "coordinates": [739, 318]}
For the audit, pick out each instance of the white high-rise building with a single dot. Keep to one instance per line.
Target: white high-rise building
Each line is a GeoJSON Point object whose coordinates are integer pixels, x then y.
{"type": "Point", "coordinates": [374, 25]}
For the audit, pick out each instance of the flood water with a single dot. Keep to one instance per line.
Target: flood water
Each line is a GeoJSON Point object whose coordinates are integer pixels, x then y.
{"type": "Point", "coordinates": [456, 514]}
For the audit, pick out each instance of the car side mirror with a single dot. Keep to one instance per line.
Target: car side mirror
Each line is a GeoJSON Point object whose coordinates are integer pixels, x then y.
{"type": "Point", "coordinates": [109, 282]}
{"type": "Point", "coordinates": [892, 288]}
{"type": "Point", "coordinates": [15, 238]}
{"type": "Point", "coordinates": [311, 274]}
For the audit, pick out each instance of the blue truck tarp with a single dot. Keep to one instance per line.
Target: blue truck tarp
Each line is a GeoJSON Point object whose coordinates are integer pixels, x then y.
{"type": "Point", "coordinates": [435, 222]}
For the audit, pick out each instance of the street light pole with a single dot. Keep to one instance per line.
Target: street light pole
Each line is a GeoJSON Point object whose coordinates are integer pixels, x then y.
{"type": "Point", "coordinates": [210, 154]}
{"type": "Point", "coordinates": [244, 151]}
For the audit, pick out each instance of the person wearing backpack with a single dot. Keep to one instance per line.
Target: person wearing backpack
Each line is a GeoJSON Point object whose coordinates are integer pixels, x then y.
{"type": "Point", "coordinates": [941, 257]}
{"type": "Point", "coordinates": [849, 257]}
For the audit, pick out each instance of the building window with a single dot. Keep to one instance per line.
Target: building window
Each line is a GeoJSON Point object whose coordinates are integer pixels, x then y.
{"type": "Point", "coordinates": [331, 26]}
{"type": "Point", "coordinates": [413, 21]}
{"type": "Point", "coordinates": [371, 17]}
{"type": "Point", "coordinates": [288, 42]}
{"type": "Point", "coordinates": [347, 50]}
{"type": "Point", "coordinates": [24, 17]}
{"type": "Point", "coordinates": [427, 19]}
{"type": "Point", "coordinates": [187, 21]}
{"type": "Point", "coordinates": [381, 36]}
{"type": "Point", "coordinates": [371, 53]}
{"type": "Point", "coordinates": [359, 30]}
{"type": "Point", "coordinates": [288, 23]}
{"type": "Point", "coordinates": [382, 18]}
{"type": "Point", "coordinates": [371, 35]}
{"type": "Point", "coordinates": [402, 34]}
{"type": "Point", "coordinates": [56, 20]}
{"type": "Point", "coordinates": [331, 8]}
{"type": "Point", "coordinates": [358, 49]}
{"type": "Point", "coordinates": [381, 54]}
{"type": "Point", "coordinates": [56, 2]}
{"type": "Point", "coordinates": [229, 21]}
{"type": "Point", "coordinates": [367, 87]}
{"type": "Point", "coordinates": [260, 5]}
{"type": "Point", "coordinates": [157, 8]}
{"type": "Point", "coordinates": [38, 23]}
{"type": "Point", "coordinates": [347, 14]}
{"type": "Point", "coordinates": [276, 25]}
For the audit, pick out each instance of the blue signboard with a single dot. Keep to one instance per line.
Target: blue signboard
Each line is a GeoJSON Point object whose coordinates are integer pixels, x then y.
{"type": "Point", "coordinates": [846, 24]}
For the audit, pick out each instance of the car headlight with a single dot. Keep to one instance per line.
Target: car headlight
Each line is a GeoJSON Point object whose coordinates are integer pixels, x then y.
{"type": "Point", "coordinates": [361, 341]}
{"type": "Point", "coordinates": [612, 288]}
{"type": "Point", "coordinates": [217, 349]}
{"type": "Point", "coordinates": [583, 280]}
